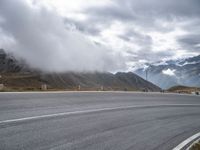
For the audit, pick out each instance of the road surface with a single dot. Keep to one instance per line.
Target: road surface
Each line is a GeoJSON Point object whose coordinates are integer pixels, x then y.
{"type": "Point", "coordinates": [97, 120]}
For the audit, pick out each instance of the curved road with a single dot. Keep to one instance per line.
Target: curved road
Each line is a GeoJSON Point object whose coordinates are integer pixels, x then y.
{"type": "Point", "coordinates": [97, 120]}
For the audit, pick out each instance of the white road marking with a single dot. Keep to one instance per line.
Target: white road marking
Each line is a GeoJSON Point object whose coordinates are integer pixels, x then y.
{"type": "Point", "coordinates": [196, 141]}
{"type": "Point", "coordinates": [187, 141]}
{"type": "Point", "coordinates": [93, 111]}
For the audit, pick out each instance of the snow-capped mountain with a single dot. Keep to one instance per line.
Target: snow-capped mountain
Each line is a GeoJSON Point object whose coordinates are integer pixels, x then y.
{"type": "Point", "coordinates": [173, 72]}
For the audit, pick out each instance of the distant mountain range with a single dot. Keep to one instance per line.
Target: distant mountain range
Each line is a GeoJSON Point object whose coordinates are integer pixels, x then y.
{"type": "Point", "coordinates": [174, 72]}
{"type": "Point", "coordinates": [16, 75]}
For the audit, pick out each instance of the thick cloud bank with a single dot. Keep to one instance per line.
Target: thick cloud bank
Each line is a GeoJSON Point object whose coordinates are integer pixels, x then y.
{"type": "Point", "coordinates": [40, 36]}
{"type": "Point", "coordinates": [59, 35]}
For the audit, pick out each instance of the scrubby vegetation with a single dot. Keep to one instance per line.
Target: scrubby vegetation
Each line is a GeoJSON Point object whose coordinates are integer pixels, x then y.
{"type": "Point", "coordinates": [184, 89]}
{"type": "Point", "coordinates": [196, 146]}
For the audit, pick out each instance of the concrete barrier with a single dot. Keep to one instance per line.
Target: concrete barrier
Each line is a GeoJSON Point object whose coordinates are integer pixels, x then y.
{"type": "Point", "coordinates": [1, 86]}
{"type": "Point", "coordinates": [44, 87]}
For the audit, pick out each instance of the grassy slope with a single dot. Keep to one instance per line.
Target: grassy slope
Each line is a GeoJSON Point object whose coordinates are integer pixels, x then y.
{"type": "Point", "coordinates": [20, 82]}
{"type": "Point", "coordinates": [183, 89]}
{"type": "Point", "coordinates": [71, 81]}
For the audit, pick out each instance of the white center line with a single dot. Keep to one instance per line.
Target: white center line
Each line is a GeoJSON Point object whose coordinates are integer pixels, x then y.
{"type": "Point", "coordinates": [93, 111]}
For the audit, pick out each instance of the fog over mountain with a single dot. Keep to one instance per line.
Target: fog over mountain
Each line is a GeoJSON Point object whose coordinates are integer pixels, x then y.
{"type": "Point", "coordinates": [16, 75]}
{"type": "Point", "coordinates": [106, 35]}
{"type": "Point", "coordinates": [39, 36]}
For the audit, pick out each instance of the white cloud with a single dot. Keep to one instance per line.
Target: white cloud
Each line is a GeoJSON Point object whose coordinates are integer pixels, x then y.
{"type": "Point", "coordinates": [72, 8]}
{"type": "Point", "coordinates": [169, 72]}
{"type": "Point", "coordinates": [197, 45]}
{"type": "Point", "coordinates": [166, 41]}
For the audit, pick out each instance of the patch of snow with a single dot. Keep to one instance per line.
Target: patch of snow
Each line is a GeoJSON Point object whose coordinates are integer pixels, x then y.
{"type": "Point", "coordinates": [189, 63]}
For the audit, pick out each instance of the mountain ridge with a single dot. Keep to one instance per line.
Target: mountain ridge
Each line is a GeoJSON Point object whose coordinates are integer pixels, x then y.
{"type": "Point", "coordinates": [174, 72]}
{"type": "Point", "coordinates": [16, 75]}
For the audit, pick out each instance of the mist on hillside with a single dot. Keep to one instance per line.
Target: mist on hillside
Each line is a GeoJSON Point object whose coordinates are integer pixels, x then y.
{"type": "Point", "coordinates": [40, 37]}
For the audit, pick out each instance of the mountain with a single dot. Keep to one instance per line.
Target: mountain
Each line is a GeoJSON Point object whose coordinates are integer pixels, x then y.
{"type": "Point", "coordinates": [97, 81]}
{"type": "Point", "coordinates": [174, 72]}
{"type": "Point", "coordinates": [8, 64]}
{"type": "Point", "coordinates": [18, 76]}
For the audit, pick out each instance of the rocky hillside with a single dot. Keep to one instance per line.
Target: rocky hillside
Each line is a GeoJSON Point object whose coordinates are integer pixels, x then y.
{"type": "Point", "coordinates": [15, 75]}
{"type": "Point", "coordinates": [99, 81]}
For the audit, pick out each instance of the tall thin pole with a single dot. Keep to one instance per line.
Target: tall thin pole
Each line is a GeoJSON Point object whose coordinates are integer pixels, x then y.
{"type": "Point", "coordinates": [146, 74]}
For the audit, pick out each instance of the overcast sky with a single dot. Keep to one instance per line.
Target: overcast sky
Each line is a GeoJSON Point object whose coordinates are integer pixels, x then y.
{"type": "Point", "coordinates": [99, 35]}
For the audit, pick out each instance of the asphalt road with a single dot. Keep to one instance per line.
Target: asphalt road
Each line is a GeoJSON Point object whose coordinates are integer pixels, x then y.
{"type": "Point", "coordinates": [97, 120]}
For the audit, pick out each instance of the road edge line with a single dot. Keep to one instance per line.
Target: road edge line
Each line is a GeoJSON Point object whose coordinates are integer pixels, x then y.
{"type": "Point", "coordinates": [186, 142]}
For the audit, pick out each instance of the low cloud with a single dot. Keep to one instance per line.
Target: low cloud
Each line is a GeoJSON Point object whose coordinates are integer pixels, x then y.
{"type": "Point", "coordinates": [39, 35]}
{"type": "Point", "coordinates": [169, 72]}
